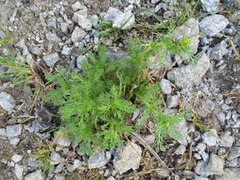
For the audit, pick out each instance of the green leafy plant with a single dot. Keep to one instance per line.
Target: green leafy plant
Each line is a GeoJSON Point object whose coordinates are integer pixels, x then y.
{"type": "Point", "coordinates": [96, 105]}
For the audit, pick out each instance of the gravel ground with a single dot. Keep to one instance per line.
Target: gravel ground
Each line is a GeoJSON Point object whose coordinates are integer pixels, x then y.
{"type": "Point", "coordinates": [51, 32]}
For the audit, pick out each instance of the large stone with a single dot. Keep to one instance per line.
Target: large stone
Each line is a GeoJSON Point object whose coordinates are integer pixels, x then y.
{"type": "Point", "coordinates": [165, 86]}
{"type": "Point", "coordinates": [187, 76]}
{"type": "Point", "coordinates": [182, 127]}
{"type": "Point", "coordinates": [128, 157]}
{"type": "Point", "coordinates": [56, 158]}
{"type": "Point", "coordinates": [98, 159]}
{"type": "Point", "coordinates": [211, 25]}
{"type": "Point", "coordinates": [234, 153]}
{"type": "Point", "coordinates": [7, 102]}
{"type": "Point", "coordinates": [189, 30]}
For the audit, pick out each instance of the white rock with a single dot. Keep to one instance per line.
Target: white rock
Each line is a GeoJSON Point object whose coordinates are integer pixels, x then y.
{"type": "Point", "coordinates": [51, 59]}
{"type": "Point", "coordinates": [180, 150]}
{"type": "Point", "coordinates": [182, 127]}
{"type": "Point", "coordinates": [18, 170]}
{"type": "Point", "coordinates": [83, 22]}
{"type": "Point", "coordinates": [78, 34]}
{"type": "Point", "coordinates": [98, 159]}
{"type": "Point", "coordinates": [53, 37]}
{"type": "Point", "coordinates": [78, 6]}
{"type": "Point", "coordinates": [14, 141]}
{"type": "Point", "coordinates": [17, 158]}
{"type": "Point", "coordinates": [211, 25]}
{"type": "Point", "coordinates": [215, 165]}
{"type": "Point", "coordinates": [165, 86]}
{"type": "Point", "coordinates": [56, 158]}
{"type": "Point", "coordinates": [13, 130]}
{"type": "Point", "coordinates": [229, 174]}
{"type": "Point", "coordinates": [187, 76]}
{"type": "Point", "coordinates": [37, 175]}
{"type": "Point", "coordinates": [122, 18]}
{"type": "Point", "coordinates": [63, 141]}
{"type": "Point", "coordinates": [172, 101]}
{"type": "Point", "coordinates": [7, 102]}
{"type": "Point", "coordinates": [211, 5]}
{"type": "Point", "coordinates": [128, 157]}
{"type": "Point", "coordinates": [210, 138]}
{"type": "Point", "coordinates": [227, 140]}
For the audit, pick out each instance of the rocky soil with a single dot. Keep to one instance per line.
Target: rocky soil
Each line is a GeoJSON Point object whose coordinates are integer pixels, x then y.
{"type": "Point", "coordinates": [52, 32]}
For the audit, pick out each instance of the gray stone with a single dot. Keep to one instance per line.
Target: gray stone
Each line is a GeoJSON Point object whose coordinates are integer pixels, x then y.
{"type": "Point", "coordinates": [221, 117]}
{"type": "Point", "coordinates": [98, 159]}
{"type": "Point", "coordinates": [21, 44]}
{"type": "Point", "coordinates": [205, 156]}
{"type": "Point", "coordinates": [137, 2]}
{"type": "Point", "coordinates": [3, 132]}
{"type": "Point", "coordinates": [53, 37]}
{"type": "Point", "coordinates": [82, 21]}
{"type": "Point", "coordinates": [180, 149]}
{"type": "Point", "coordinates": [13, 130]}
{"type": "Point", "coordinates": [111, 14]}
{"type": "Point", "coordinates": [227, 140]}
{"type": "Point", "coordinates": [2, 35]}
{"type": "Point", "coordinates": [210, 138]}
{"type": "Point", "coordinates": [165, 86]}
{"type": "Point", "coordinates": [36, 50]}
{"type": "Point", "coordinates": [201, 147]}
{"type": "Point", "coordinates": [18, 170]}
{"type": "Point", "coordinates": [187, 76]}
{"type": "Point", "coordinates": [200, 168]}
{"type": "Point", "coordinates": [17, 158]}
{"type": "Point", "coordinates": [122, 18]}
{"type": "Point", "coordinates": [127, 157]}
{"type": "Point", "coordinates": [219, 50]}
{"type": "Point", "coordinates": [182, 127]}
{"type": "Point", "coordinates": [51, 59]}
{"type": "Point", "coordinates": [78, 34]}
{"type": "Point", "coordinates": [172, 101]}
{"type": "Point", "coordinates": [234, 153]}
{"type": "Point", "coordinates": [7, 102]}
{"type": "Point", "coordinates": [78, 6]}
{"type": "Point", "coordinates": [215, 165]}
{"type": "Point", "coordinates": [229, 174]}
{"type": "Point", "coordinates": [66, 50]}
{"type": "Point", "coordinates": [80, 60]}
{"type": "Point", "coordinates": [154, 1]}
{"type": "Point", "coordinates": [14, 141]}
{"type": "Point", "coordinates": [211, 6]}
{"type": "Point", "coordinates": [37, 175]}
{"type": "Point", "coordinates": [189, 30]}
{"type": "Point", "coordinates": [63, 141]}
{"type": "Point", "coordinates": [64, 27]}
{"type": "Point", "coordinates": [52, 22]}
{"type": "Point", "coordinates": [211, 25]}
{"type": "Point", "coordinates": [56, 158]}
